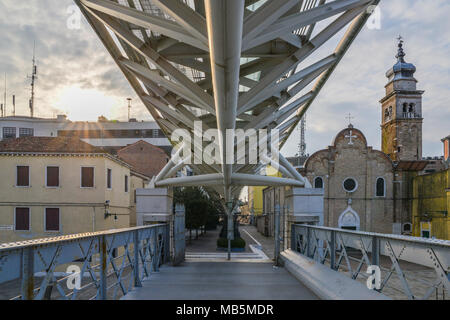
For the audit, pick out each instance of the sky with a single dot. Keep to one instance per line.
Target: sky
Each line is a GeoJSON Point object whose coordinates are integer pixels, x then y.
{"type": "Point", "coordinates": [77, 76]}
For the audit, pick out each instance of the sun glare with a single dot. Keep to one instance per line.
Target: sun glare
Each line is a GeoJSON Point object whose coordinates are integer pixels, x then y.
{"type": "Point", "coordinates": [87, 104]}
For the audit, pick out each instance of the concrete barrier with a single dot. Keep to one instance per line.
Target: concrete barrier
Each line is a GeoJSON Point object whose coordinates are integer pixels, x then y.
{"type": "Point", "coordinates": [324, 282]}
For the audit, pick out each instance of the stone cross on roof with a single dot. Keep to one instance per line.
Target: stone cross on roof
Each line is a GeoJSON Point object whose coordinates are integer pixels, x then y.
{"type": "Point", "coordinates": [351, 136]}
{"type": "Point", "coordinates": [349, 117]}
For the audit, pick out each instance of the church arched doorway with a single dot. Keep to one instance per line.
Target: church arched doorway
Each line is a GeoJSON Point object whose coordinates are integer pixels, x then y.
{"type": "Point", "coordinates": [349, 219]}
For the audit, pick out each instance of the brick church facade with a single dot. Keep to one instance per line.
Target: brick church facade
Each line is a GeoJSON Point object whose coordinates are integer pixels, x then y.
{"type": "Point", "coordinates": [367, 189]}
{"type": "Point", "coordinates": [372, 190]}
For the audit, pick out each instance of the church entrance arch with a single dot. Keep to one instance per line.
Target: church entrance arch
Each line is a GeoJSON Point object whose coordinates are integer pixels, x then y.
{"type": "Point", "coordinates": [349, 219]}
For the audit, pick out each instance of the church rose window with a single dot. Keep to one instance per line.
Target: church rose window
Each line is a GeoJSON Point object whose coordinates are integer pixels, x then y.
{"type": "Point", "coordinates": [350, 185]}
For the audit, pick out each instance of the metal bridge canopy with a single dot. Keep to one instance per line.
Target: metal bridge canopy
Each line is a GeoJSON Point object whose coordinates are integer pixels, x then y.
{"type": "Point", "coordinates": [230, 64]}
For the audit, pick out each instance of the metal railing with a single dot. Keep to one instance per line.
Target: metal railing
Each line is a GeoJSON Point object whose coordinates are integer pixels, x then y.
{"type": "Point", "coordinates": [422, 265]}
{"type": "Point", "coordinates": [114, 259]}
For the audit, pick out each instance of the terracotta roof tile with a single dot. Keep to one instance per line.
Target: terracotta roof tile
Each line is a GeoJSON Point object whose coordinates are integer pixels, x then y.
{"type": "Point", "coordinates": [48, 144]}
{"type": "Point", "coordinates": [144, 157]}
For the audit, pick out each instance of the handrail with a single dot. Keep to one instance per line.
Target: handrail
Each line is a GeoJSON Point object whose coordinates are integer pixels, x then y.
{"type": "Point", "coordinates": [348, 251]}
{"type": "Point", "coordinates": [118, 259]}
{"type": "Point", "coordinates": [70, 237]}
{"type": "Point", "coordinates": [416, 240]}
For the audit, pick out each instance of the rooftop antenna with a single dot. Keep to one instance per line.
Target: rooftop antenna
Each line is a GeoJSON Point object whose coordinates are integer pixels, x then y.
{"type": "Point", "coordinates": [302, 144]}
{"type": "Point", "coordinates": [4, 101]}
{"type": "Point", "coordinates": [33, 79]}
{"type": "Point", "coordinates": [129, 108]}
{"type": "Point", "coordinates": [14, 105]}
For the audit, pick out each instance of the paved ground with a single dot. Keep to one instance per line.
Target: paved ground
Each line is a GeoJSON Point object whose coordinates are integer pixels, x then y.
{"type": "Point", "coordinates": [246, 277]}
{"type": "Point", "coordinates": [216, 280]}
{"type": "Point", "coordinates": [207, 242]}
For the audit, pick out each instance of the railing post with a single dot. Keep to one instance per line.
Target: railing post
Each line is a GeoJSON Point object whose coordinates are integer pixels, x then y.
{"type": "Point", "coordinates": [166, 244]}
{"type": "Point", "coordinates": [308, 242]}
{"type": "Point", "coordinates": [27, 273]}
{"type": "Point", "coordinates": [333, 250]}
{"type": "Point", "coordinates": [103, 267]}
{"type": "Point", "coordinates": [375, 251]}
{"type": "Point", "coordinates": [156, 251]}
{"type": "Point", "coordinates": [277, 233]}
{"type": "Point", "coordinates": [293, 238]}
{"type": "Point", "coordinates": [137, 280]}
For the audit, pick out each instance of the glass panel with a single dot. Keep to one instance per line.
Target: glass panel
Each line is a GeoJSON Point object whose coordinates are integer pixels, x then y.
{"type": "Point", "coordinates": [26, 132]}
{"type": "Point", "coordinates": [9, 132]}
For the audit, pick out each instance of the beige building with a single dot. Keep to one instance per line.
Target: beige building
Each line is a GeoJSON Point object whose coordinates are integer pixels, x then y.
{"type": "Point", "coordinates": [58, 186]}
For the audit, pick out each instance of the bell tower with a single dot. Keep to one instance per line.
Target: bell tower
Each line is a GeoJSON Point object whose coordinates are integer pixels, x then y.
{"type": "Point", "coordinates": [401, 112]}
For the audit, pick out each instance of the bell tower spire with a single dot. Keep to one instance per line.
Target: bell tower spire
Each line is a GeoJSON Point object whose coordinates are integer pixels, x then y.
{"type": "Point", "coordinates": [401, 111]}
{"type": "Point", "coordinates": [401, 54]}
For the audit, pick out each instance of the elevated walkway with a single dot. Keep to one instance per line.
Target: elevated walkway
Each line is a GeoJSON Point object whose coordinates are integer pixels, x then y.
{"type": "Point", "coordinates": [216, 281]}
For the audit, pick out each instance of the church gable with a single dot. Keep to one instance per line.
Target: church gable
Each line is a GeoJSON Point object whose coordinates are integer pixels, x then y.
{"type": "Point", "coordinates": [350, 138]}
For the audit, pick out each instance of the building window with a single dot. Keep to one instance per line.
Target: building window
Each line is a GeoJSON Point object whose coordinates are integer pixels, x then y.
{"type": "Point", "coordinates": [318, 183]}
{"type": "Point", "coordinates": [407, 228]}
{"type": "Point", "coordinates": [51, 219]}
{"type": "Point", "coordinates": [380, 188]}
{"type": "Point", "coordinates": [109, 178]}
{"type": "Point", "coordinates": [126, 183]}
{"type": "Point", "coordinates": [405, 108]}
{"type": "Point", "coordinates": [155, 133]}
{"type": "Point", "coordinates": [87, 177]}
{"type": "Point", "coordinates": [52, 176]}
{"type": "Point", "coordinates": [26, 132]}
{"type": "Point", "coordinates": [23, 176]}
{"type": "Point", "coordinates": [350, 185]}
{"type": "Point", "coordinates": [9, 132]}
{"type": "Point", "coordinates": [22, 219]}
{"type": "Point", "coordinates": [409, 110]}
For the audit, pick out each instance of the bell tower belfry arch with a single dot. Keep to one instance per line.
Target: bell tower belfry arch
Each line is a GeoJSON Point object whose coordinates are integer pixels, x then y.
{"type": "Point", "coordinates": [401, 108]}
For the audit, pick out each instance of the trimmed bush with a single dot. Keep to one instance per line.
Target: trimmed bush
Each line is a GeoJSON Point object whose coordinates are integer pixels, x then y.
{"type": "Point", "coordinates": [236, 243]}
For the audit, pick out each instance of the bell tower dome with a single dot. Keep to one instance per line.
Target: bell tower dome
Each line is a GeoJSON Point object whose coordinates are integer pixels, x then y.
{"type": "Point", "coordinates": [401, 112]}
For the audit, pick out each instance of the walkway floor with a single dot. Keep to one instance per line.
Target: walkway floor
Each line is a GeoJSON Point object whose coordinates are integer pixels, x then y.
{"type": "Point", "coordinates": [207, 275]}
{"type": "Point", "coordinates": [221, 281]}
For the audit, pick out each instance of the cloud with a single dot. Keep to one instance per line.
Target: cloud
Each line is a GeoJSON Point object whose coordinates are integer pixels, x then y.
{"type": "Point", "coordinates": [65, 58]}
{"type": "Point", "coordinates": [77, 58]}
{"type": "Point", "coordinates": [358, 82]}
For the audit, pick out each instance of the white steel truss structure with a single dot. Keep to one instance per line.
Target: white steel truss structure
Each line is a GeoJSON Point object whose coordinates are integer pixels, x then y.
{"type": "Point", "coordinates": [232, 64]}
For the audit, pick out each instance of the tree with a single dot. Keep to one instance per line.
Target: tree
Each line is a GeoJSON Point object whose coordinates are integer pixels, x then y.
{"type": "Point", "coordinates": [201, 209]}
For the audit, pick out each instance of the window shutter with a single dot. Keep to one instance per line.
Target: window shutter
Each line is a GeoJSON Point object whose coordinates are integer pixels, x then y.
{"type": "Point", "coordinates": [108, 178]}
{"type": "Point", "coordinates": [52, 177]}
{"type": "Point", "coordinates": [23, 173]}
{"type": "Point", "coordinates": [87, 177]}
{"type": "Point", "coordinates": [52, 219]}
{"type": "Point", "coordinates": [22, 218]}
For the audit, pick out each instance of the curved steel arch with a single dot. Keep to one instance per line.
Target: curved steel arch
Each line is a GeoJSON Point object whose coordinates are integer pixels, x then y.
{"type": "Point", "coordinates": [229, 63]}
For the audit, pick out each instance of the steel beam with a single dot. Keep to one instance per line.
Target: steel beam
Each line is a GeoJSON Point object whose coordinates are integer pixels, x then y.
{"type": "Point", "coordinates": [228, 66]}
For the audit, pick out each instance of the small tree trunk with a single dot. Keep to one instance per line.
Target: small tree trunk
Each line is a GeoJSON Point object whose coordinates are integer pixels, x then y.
{"type": "Point", "coordinates": [190, 235]}
{"type": "Point", "coordinates": [196, 234]}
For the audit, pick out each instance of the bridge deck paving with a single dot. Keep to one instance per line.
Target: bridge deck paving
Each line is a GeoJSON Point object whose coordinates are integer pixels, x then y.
{"type": "Point", "coordinates": [221, 281]}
